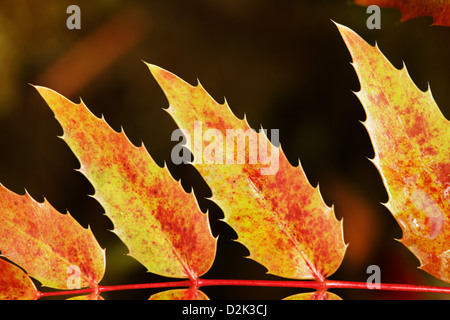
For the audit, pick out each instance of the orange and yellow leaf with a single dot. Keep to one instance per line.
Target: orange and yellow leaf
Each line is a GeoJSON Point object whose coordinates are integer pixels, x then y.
{"type": "Point", "coordinates": [411, 138]}
{"type": "Point", "coordinates": [47, 243]}
{"type": "Point", "coordinates": [180, 294]}
{"type": "Point", "coordinates": [438, 9]}
{"type": "Point", "coordinates": [15, 284]}
{"type": "Point", "coordinates": [276, 213]}
{"type": "Point", "coordinates": [160, 223]}
{"type": "Point", "coordinates": [92, 296]}
{"type": "Point", "coordinates": [314, 296]}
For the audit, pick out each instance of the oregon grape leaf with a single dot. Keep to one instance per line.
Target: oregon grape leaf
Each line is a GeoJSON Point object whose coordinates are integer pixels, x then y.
{"type": "Point", "coordinates": [15, 284]}
{"type": "Point", "coordinates": [180, 294]}
{"type": "Point", "coordinates": [276, 213]}
{"type": "Point", "coordinates": [438, 9]}
{"type": "Point", "coordinates": [411, 139]}
{"type": "Point", "coordinates": [314, 296]}
{"type": "Point", "coordinates": [46, 243]}
{"type": "Point", "coordinates": [160, 223]}
{"type": "Point", "coordinates": [93, 296]}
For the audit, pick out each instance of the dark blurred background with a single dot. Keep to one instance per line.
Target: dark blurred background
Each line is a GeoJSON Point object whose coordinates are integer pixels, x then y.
{"type": "Point", "coordinates": [282, 63]}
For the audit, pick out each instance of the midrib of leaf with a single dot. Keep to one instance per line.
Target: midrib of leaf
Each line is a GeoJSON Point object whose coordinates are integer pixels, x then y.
{"type": "Point", "coordinates": [287, 230]}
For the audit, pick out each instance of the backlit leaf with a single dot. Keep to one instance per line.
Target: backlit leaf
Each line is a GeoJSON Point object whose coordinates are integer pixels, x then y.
{"type": "Point", "coordinates": [15, 284]}
{"type": "Point", "coordinates": [314, 296]}
{"type": "Point", "coordinates": [411, 138]}
{"type": "Point", "coordinates": [180, 294]}
{"type": "Point", "coordinates": [47, 243]}
{"type": "Point", "coordinates": [438, 9]}
{"type": "Point", "coordinates": [92, 296]}
{"type": "Point", "coordinates": [276, 213]}
{"type": "Point", "coordinates": [160, 223]}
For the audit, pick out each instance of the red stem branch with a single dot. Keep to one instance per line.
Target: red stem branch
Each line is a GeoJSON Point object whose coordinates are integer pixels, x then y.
{"type": "Point", "coordinates": [388, 287]}
{"type": "Point", "coordinates": [311, 284]}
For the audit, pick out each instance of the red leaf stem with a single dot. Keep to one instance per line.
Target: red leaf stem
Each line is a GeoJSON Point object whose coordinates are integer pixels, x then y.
{"type": "Point", "coordinates": [311, 284]}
